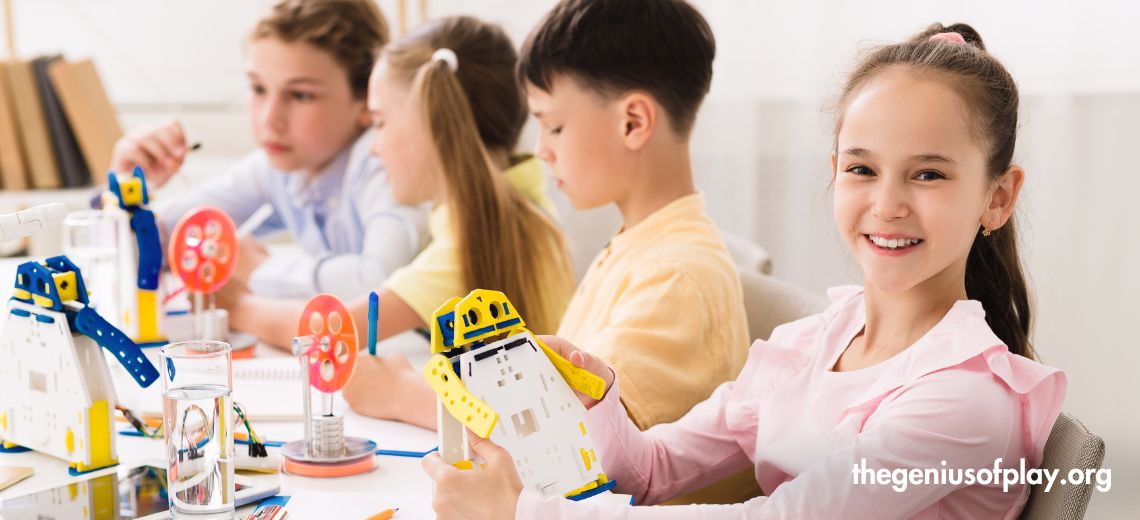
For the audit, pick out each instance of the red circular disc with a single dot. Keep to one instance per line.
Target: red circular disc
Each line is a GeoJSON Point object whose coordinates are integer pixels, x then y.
{"type": "Point", "coordinates": [204, 249]}
{"type": "Point", "coordinates": [327, 319]}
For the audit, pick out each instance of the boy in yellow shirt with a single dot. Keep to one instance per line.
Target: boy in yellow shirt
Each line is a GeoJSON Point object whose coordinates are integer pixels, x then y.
{"type": "Point", "coordinates": [616, 86]}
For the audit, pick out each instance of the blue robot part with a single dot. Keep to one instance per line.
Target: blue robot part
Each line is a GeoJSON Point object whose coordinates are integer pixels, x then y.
{"type": "Point", "coordinates": [150, 248]}
{"type": "Point", "coordinates": [133, 198]}
{"type": "Point", "coordinates": [42, 285]}
{"type": "Point", "coordinates": [596, 491]}
{"type": "Point", "coordinates": [446, 323]}
{"type": "Point", "coordinates": [126, 195]}
{"type": "Point", "coordinates": [91, 324]}
{"type": "Point", "coordinates": [34, 279]}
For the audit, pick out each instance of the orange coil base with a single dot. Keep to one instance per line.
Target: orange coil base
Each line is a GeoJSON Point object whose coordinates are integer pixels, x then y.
{"type": "Point", "coordinates": [325, 470]}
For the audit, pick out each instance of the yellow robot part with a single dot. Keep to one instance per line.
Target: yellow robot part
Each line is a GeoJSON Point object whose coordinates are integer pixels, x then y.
{"type": "Point", "coordinates": [483, 313]}
{"type": "Point", "coordinates": [99, 431]}
{"type": "Point", "coordinates": [579, 378]}
{"type": "Point", "coordinates": [132, 191]}
{"type": "Point", "coordinates": [66, 285]}
{"type": "Point", "coordinates": [148, 309]}
{"type": "Point", "coordinates": [601, 481]}
{"type": "Point", "coordinates": [461, 404]}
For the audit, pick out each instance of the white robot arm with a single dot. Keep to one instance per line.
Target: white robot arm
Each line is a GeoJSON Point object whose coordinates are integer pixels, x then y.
{"type": "Point", "coordinates": [31, 221]}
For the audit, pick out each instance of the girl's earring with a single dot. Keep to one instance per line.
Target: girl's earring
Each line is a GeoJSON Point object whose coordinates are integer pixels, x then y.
{"type": "Point", "coordinates": [986, 232]}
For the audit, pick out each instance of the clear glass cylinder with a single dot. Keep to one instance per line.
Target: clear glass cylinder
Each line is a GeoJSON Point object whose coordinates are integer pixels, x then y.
{"type": "Point", "coordinates": [197, 419]}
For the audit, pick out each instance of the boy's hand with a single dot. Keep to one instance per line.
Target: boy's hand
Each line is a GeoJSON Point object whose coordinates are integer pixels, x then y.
{"type": "Point", "coordinates": [251, 254]}
{"type": "Point", "coordinates": [581, 360]}
{"type": "Point", "coordinates": [490, 491]}
{"type": "Point", "coordinates": [158, 149]}
{"type": "Point", "coordinates": [230, 296]}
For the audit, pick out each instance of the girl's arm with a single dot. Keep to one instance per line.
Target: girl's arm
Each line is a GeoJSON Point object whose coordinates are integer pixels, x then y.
{"type": "Point", "coordinates": [666, 460]}
{"type": "Point", "coordinates": [385, 387]}
{"type": "Point", "coordinates": [654, 465]}
{"type": "Point", "coordinates": [274, 320]}
{"type": "Point", "coordinates": [968, 422]}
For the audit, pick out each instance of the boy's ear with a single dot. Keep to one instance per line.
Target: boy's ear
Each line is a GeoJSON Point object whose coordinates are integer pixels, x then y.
{"type": "Point", "coordinates": [364, 117]}
{"type": "Point", "coordinates": [638, 119]}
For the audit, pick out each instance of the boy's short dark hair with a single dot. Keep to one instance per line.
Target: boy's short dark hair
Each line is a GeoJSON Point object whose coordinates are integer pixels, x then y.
{"type": "Point", "coordinates": [664, 47]}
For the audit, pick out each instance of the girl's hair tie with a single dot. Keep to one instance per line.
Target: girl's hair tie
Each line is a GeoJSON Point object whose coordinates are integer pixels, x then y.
{"type": "Point", "coordinates": [448, 56]}
{"type": "Point", "coordinates": [948, 37]}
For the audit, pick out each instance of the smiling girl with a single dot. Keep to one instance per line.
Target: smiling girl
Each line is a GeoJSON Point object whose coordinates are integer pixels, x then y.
{"type": "Point", "coordinates": [926, 366]}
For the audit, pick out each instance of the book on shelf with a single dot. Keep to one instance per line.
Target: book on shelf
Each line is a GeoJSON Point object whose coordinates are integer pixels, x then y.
{"type": "Point", "coordinates": [88, 109]}
{"type": "Point", "coordinates": [32, 126]}
{"type": "Point", "coordinates": [57, 124]}
{"type": "Point", "coordinates": [13, 174]}
{"type": "Point", "coordinates": [72, 168]}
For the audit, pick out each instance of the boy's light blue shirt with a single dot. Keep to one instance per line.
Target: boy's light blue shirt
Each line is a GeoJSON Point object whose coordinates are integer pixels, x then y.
{"type": "Point", "coordinates": [351, 232]}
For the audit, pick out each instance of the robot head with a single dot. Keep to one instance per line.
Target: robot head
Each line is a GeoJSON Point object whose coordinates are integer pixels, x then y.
{"type": "Point", "coordinates": [131, 192]}
{"type": "Point", "coordinates": [484, 313]}
{"type": "Point", "coordinates": [50, 284]}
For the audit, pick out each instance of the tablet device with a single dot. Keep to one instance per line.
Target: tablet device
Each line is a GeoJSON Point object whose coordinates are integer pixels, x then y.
{"type": "Point", "coordinates": [131, 492]}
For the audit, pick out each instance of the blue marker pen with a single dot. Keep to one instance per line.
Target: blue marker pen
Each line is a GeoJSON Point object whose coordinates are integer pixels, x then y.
{"type": "Point", "coordinates": [373, 317]}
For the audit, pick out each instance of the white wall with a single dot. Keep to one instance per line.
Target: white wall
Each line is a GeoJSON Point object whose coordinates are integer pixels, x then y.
{"type": "Point", "coordinates": [761, 144]}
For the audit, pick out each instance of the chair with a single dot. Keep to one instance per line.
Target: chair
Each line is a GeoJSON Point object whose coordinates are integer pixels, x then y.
{"type": "Point", "coordinates": [748, 256]}
{"type": "Point", "coordinates": [1070, 446]}
{"type": "Point", "coordinates": [770, 302]}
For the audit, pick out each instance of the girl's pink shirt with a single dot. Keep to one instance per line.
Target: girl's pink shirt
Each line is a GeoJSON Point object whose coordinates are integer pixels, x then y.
{"type": "Point", "coordinates": [957, 395]}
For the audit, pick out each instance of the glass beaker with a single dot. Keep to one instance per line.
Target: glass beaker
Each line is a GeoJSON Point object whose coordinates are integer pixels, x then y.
{"type": "Point", "coordinates": [197, 419]}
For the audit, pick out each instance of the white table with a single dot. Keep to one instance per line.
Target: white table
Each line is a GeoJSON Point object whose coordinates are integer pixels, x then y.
{"type": "Point", "coordinates": [393, 475]}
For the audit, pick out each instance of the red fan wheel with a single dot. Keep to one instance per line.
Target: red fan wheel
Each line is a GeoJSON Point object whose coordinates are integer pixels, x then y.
{"type": "Point", "coordinates": [204, 249]}
{"type": "Point", "coordinates": [333, 356]}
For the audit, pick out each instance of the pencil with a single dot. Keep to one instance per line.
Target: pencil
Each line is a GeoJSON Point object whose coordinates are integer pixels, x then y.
{"type": "Point", "coordinates": [383, 515]}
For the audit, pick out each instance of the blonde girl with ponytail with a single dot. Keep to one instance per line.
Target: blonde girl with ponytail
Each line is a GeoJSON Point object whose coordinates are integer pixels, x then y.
{"type": "Point", "coordinates": [447, 113]}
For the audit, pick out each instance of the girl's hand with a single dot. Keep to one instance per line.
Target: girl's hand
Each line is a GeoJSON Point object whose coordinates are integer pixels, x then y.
{"type": "Point", "coordinates": [390, 388]}
{"type": "Point", "coordinates": [158, 149]}
{"type": "Point", "coordinates": [581, 359]}
{"type": "Point", "coordinates": [490, 491]}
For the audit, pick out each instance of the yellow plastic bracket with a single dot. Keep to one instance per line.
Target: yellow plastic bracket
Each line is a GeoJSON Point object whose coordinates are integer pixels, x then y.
{"type": "Point", "coordinates": [99, 434]}
{"type": "Point", "coordinates": [148, 316]}
{"type": "Point", "coordinates": [581, 379]}
{"type": "Point", "coordinates": [65, 284]}
{"type": "Point", "coordinates": [461, 404]}
{"type": "Point", "coordinates": [583, 489]}
{"type": "Point", "coordinates": [132, 191]}
{"type": "Point", "coordinates": [464, 464]}
{"type": "Point", "coordinates": [42, 301]}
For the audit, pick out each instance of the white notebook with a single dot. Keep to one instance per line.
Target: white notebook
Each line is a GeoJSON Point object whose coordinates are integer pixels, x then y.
{"type": "Point", "coordinates": [269, 389]}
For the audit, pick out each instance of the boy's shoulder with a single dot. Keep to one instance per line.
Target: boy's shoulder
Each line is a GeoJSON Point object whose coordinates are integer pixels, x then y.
{"type": "Point", "coordinates": [677, 241]}
{"type": "Point", "coordinates": [693, 245]}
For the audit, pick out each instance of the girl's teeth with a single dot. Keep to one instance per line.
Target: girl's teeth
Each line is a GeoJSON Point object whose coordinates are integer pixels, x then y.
{"type": "Point", "coordinates": [894, 243]}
